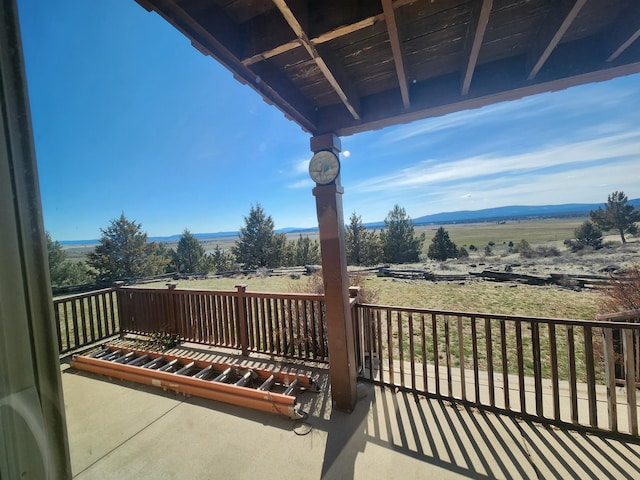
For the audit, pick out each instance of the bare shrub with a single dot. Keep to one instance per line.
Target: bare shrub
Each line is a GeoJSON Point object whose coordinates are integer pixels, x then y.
{"type": "Point", "coordinates": [622, 292]}
{"type": "Point", "coordinates": [547, 252]}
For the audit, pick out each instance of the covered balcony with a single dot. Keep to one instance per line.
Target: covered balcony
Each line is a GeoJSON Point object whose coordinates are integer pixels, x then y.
{"type": "Point", "coordinates": [434, 393]}
{"type": "Point", "coordinates": [547, 403]}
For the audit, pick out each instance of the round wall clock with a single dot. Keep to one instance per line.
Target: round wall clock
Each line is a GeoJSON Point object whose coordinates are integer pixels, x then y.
{"type": "Point", "coordinates": [324, 167]}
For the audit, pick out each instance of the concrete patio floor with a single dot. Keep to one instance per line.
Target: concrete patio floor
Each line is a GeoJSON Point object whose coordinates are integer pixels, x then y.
{"type": "Point", "coordinates": [119, 429]}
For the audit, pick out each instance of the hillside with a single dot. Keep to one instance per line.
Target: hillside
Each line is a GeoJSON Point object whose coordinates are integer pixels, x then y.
{"type": "Point", "coordinates": [514, 212]}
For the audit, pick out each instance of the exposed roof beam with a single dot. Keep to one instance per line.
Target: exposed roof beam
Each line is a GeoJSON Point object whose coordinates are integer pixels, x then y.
{"type": "Point", "coordinates": [320, 39]}
{"type": "Point", "coordinates": [392, 29]}
{"type": "Point", "coordinates": [625, 31]}
{"type": "Point", "coordinates": [477, 29]}
{"type": "Point", "coordinates": [495, 82]}
{"type": "Point", "coordinates": [341, 31]}
{"type": "Point", "coordinates": [343, 87]}
{"type": "Point", "coordinates": [560, 18]}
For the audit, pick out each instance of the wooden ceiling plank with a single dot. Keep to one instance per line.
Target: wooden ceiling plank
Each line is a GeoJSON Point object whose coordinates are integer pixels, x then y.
{"type": "Point", "coordinates": [396, 48]}
{"type": "Point", "coordinates": [478, 27]}
{"type": "Point", "coordinates": [343, 87]}
{"type": "Point", "coordinates": [560, 18]}
{"type": "Point", "coordinates": [625, 31]}
{"type": "Point", "coordinates": [438, 96]}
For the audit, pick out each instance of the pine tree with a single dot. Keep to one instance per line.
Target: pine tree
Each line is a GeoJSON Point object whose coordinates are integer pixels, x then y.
{"type": "Point", "coordinates": [307, 252]}
{"type": "Point", "coordinates": [258, 245]}
{"type": "Point", "coordinates": [399, 243]}
{"type": "Point", "coordinates": [617, 215]}
{"type": "Point", "coordinates": [363, 247]}
{"type": "Point", "coordinates": [63, 271]}
{"type": "Point", "coordinates": [222, 260]}
{"type": "Point", "coordinates": [123, 252]}
{"type": "Point", "coordinates": [190, 256]}
{"type": "Point", "coordinates": [442, 247]}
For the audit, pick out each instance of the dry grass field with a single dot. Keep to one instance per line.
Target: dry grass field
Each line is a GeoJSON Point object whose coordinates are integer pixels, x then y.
{"type": "Point", "coordinates": [470, 295]}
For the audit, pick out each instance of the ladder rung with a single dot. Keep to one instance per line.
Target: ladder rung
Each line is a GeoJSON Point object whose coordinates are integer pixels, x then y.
{"type": "Point", "coordinates": [166, 367]}
{"type": "Point", "coordinates": [223, 376]}
{"type": "Point", "coordinates": [125, 358]}
{"type": "Point", "coordinates": [185, 369]}
{"type": "Point", "coordinates": [138, 361]}
{"type": "Point", "coordinates": [99, 353]}
{"type": "Point", "coordinates": [246, 378]}
{"type": "Point", "coordinates": [291, 387]}
{"type": "Point", "coordinates": [204, 372]}
{"type": "Point", "coordinates": [268, 383]}
{"type": "Point", "coordinates": [112, 356]}
{"type": "Point", "coordinates": [153, 362]}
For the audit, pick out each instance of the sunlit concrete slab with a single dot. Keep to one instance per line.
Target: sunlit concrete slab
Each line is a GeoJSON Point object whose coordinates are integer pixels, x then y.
{"type": "Point", "coordinates": [122, 430]}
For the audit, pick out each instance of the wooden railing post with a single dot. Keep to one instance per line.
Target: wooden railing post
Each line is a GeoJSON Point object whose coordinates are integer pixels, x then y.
{"type": "Point", "coordinates": [123, 313]}
{"type": "Point", "coordinates": [241, 325]}
{"type": "Point", "coordinates": [360, 331]}
{"type": "Point", "coordinates": [171, 308]}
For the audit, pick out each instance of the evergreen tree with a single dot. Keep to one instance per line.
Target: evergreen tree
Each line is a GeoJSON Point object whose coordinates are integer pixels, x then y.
{"type": "Point", "coordinates": [399, 243]}
{"type": "Point", "coordinates": [222, 260]}
{"type": "Point", "coordinates": [617, 215]}
{"type": "Point", "coordinates": [372, 253]}
{"type": "Point", "coordinates": [258, 245]}
{"type": "Point", "coordinates": [123, 252]}
{"type": "Point", "coordinates": [355, 238]}
{"type": "Point", "coordinates": [307, 252]}
{"type": "Point", "coordinates": [63, 271]}
{"type": "Point", "coordinates": [363, 247]}
{"type": "Point", "coordinates": [586, 235]}
{"type": "Point", "coordinates": [442, 247]}
{"type": "Point", "coordinates": [190, 256]}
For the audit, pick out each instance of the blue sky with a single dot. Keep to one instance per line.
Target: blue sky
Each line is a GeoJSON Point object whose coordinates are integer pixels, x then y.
{"type": "Point", "coordinates": [129, 117]}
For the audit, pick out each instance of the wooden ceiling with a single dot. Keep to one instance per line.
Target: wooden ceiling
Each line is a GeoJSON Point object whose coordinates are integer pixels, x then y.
{"type": "Point", "coordinates": [347, 66]}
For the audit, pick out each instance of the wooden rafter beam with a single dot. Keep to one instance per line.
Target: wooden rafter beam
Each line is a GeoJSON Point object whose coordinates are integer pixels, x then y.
{"type": "Point", "coordinates": [562, 15]}
{"type": "Point", "coordinates": [625, 31]}
{"type": "Point", "coordinates": [477, 29]}
{"type": "Point", "coordinates": [342, 87]}
{"type": "Point", "coordinates": [396, 49]}
{"type": "Point", "coordinates": [495, 82]}
{"type": "Point", "coordinates": [319, 40]}
{"type": "Point", "coordinates": [341, 31]}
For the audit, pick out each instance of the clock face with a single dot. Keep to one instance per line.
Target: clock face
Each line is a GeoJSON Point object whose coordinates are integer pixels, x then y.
{"type": "Point", "coordinates": [324, 167]}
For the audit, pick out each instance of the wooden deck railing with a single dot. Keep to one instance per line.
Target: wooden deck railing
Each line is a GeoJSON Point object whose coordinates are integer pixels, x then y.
{"type": "Point", "coordinates": [562, 371]}
{"type": "Point", "coordinates": [290, 325]}
{"type": "Point", "coordinates": [87, 318]}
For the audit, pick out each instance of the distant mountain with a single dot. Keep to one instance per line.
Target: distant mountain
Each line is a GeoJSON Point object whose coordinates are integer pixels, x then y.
{"type": "Point", "coordinates": [514, 212]}
{"type": "Point", "coordinates": [463, 216]}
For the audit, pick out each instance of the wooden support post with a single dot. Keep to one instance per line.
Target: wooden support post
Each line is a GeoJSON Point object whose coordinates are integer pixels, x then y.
{"type": "Point", "coordinates": [342, 363]}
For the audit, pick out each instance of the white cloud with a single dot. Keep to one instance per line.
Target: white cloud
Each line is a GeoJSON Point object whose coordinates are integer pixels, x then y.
{"type": "Point", "coordinates": [305, 183]}
{"type": "Point", "coordinates": [429, 173]}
